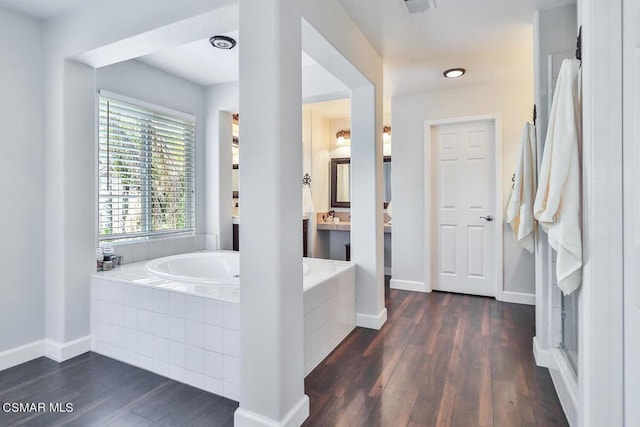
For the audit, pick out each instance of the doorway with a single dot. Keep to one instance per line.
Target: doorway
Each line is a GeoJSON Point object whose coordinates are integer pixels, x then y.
{"type": "Point", "coordinates": [464, 214]}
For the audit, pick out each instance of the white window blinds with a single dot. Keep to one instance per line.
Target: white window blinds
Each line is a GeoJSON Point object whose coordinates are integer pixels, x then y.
{"type": "Point", "coordinates": [145, 171]}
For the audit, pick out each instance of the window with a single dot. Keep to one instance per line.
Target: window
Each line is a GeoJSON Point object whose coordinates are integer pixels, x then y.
{"type": "Point", "coordinates": [145, 170]}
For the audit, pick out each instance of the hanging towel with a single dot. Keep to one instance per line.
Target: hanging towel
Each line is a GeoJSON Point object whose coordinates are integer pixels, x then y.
{"type": "Point", "coordinates": [520, 206]}
{"type": "Point", "coordinates": [557, 203]}
{"type": "Point", "coordinates": [307, 200]}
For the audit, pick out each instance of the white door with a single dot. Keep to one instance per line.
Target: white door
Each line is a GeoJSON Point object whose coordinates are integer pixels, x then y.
{"type": "Point", "coordinates": [631, 200]}
{"type": "Point", "coordinates": [463, 208]}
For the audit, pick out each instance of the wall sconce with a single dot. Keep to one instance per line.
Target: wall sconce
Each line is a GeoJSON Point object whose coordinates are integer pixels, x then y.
{"type": "Point", "coordinates": [386, 134]}
{"type": "Point", "coordinates": [343, 137]}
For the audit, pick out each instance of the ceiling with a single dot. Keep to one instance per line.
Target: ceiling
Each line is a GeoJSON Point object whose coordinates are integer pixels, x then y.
{"type": "Point", "coordinates": [44, 9]}
{"type": "Point", "coordinates": [201, 63]}
{"type": "Point", "coordinates": [492, 39]}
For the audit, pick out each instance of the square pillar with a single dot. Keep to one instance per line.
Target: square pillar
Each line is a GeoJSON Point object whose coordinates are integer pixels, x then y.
{"type": "Point", "coordinates": [367, 238]}
{"type": "Point", "coordinates": [271, 295]}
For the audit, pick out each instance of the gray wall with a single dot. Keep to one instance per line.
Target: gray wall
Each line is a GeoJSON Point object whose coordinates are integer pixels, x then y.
{"type": "Point", "coordinates": [22, 176]}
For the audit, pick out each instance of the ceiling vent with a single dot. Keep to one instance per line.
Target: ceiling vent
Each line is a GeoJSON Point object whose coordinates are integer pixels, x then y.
{"type": "Point", "coordinates": [419, 6]}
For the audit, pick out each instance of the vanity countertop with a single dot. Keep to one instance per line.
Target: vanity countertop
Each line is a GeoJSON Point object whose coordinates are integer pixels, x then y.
{"type": "Point", "coordinates": [236, 219]}
{"type": "Point", "coordinates": [344, 226]}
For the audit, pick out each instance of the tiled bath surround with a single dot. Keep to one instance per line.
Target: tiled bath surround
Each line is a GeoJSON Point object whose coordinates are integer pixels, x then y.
{"type": "Point", "coordinates": [191, 339]}
{"type": "Point", "coordinates": [329, 316]}
{"type": "Point", "coordinates": [191, 333]}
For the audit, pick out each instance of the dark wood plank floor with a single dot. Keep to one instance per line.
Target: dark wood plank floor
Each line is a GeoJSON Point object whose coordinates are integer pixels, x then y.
{"type": "Point", "coordinates": [441, 359]}
{"type": "Point", "coordinates": [106, 392]}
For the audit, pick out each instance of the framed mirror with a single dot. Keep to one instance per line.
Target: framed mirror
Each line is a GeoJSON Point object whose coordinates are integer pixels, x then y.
{"type": "Point", "coordinates": [341, 182]}
{"type": "Point", "coordinates": [235, 179]}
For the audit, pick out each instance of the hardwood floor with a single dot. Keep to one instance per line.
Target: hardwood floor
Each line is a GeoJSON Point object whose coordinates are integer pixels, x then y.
{"type": "Point", "coordinates": [105, 392]}
{"type": "Point", "coordinates": [441, 359]}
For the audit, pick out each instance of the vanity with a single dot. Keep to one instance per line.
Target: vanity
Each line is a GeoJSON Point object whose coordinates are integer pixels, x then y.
{"type": "Point", "coordinates": [336, 235]}
{"type": "Point", "coordinates": [344, 224]}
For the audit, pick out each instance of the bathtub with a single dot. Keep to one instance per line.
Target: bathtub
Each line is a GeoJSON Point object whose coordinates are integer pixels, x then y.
{"type": "Point", "coordinates": [179, 316]}
{"type": "Point", "coordinates": [210, 268]}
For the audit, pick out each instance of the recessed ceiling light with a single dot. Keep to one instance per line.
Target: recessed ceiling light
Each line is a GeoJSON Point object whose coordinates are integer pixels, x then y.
{"type": "Point", "coordinates": [222, 42]}
{"type": "Point", "coordinates": [453, 73]}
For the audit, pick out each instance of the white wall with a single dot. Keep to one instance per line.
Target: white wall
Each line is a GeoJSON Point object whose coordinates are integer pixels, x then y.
{"type": "Point", "coordinates": [514, 101]}
{"type": "Point", "coordinates": [315, 161]}
{"type": "Point", "coordinates": [556, 31]}
{"type": "Point", "coordinates": [222, 100]}
{"type": "Point", "coordinates": [22, 166]}
{"type": "Point", "coordinates": [601, 355]}
{"type": "Point", "coordinates": [145, 83]}
{"type": "Point", "coordinates": [631, 185]}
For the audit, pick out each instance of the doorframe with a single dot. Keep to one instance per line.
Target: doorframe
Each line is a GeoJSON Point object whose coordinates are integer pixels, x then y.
{"type": "Point", "coordinates": [429, 234]}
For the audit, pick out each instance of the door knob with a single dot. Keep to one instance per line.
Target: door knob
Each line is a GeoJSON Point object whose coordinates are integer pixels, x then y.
{"type": "Point", "coordinates": [487, 218]}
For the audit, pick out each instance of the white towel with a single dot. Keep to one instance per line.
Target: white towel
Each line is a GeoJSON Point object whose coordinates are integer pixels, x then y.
{"type": "Point", "coordinates": [307, 200]}
{"type": "Point", "coordinates": [557, 203]}
{"type": "Point", "coordinates": [520, 206]}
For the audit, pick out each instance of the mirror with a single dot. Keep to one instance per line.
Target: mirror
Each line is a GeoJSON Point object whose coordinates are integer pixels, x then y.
{"type": "Point", "coordinates": [235, 179]}
{"type": "Point", "coordinates": [341, 182]}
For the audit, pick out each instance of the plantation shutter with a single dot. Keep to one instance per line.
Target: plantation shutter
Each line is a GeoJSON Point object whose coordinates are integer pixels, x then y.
{"type": "Point", "coordinates": [145, 170]}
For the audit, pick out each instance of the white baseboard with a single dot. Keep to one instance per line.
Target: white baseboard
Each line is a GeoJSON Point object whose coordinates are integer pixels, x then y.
{"type": "Point", "coordinates": [566, 385]}
{"type": "Point", "coordinates": [51, 349]}
{"type": "Point", "coordinates": [294, 418]}
{"type": "Point", "coordinates": [542, 356]}
{"type": "Point", "coordinates": [519, 297]}
{"type": "Point", "coordinates": [65, 351]}
{"type": "Point", "coordinates": [24, 353]}
{"type": "Point", "coordinates": [372, 322]}
{"type": "Point", "coordinates": [408, 285]}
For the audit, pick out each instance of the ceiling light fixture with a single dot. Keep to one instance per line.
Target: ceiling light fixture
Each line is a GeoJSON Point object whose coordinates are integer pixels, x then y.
{"type": "Point", "coordinates": [419, 6]}
{"type": "Point", "coordinates": [454, 73]}
{"type": "Point", "coordinates": [222, 42]}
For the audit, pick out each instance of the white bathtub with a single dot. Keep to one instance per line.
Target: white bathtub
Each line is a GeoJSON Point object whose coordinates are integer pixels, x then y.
{"type": "Point", "coordinates": [181, 322]}
{"type": "Point", "coordinates": [211, 268]}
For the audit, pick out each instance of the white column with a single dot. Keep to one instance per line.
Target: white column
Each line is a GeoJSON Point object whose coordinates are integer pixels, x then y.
{"type": "Point", "coordinates": [601, 378]}
{"type": "Point", "coordinates": [219, 202]}
{"type": "Point", "coordinates": [367, 241]}
{"type": "Point", "coordinates": [272, 380]}
{"type": "Point", "coordinates": [71, 202]}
